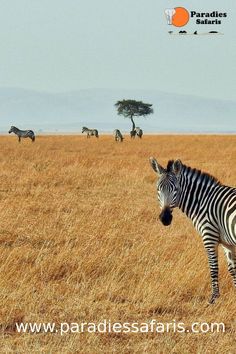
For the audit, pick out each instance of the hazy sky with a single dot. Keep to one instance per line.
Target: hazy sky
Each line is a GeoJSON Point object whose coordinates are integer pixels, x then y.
{"type": "Point", "coordinates": [63, 45]}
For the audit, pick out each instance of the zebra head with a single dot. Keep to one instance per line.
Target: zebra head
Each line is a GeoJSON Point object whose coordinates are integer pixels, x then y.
{"type": "Point", "coordinates": [12, 129]}
{"type": "Point", "coordinates": [168, 189]}
{"type": "Point", "coordinates": [84, 129]}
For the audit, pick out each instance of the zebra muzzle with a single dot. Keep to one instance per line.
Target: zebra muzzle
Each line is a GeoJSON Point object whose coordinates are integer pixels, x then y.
{"type": "Point", "coordinates": [166, 216]}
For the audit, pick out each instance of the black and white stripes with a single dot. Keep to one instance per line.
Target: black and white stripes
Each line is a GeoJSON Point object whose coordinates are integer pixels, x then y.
{"type": "Point", "coordinates": [90, 132]}
{"type": "Point", "coordinates": [22, 133]}
{"type": "Point", "coordinates": [118, 136]}
{"type": "Point", "coordinates": [139, 132]}
{"type": "Point", "coordinates": [136, 132]}
{"type": "Point", "coordinates": [208, 203]}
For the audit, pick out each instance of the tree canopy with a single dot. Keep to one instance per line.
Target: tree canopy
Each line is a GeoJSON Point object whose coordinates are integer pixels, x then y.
{"type": "Point", "coordinates": [132, 108]}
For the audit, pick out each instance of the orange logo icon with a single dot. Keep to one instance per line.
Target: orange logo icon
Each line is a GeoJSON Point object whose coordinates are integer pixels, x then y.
{"type": "Point", "coordinates": [177, 16]}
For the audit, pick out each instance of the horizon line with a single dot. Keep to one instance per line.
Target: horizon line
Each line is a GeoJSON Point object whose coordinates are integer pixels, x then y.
{"type": "Point", "coordinates": [113, 89]}
{"type": "Point", "coordinates": [108, 133]}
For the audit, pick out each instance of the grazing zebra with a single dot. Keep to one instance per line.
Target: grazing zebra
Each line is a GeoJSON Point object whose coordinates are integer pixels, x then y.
{"type": "Point", "coordinates": [118, 136]}
{"type": "Point", "coordinates": [90, 132]}
{"type": "Point", "coordinates": [132, 134]}
{"type": "Point", "coordinates": [139, 132]}
{"type": "Point", "coordinates": [209, 204]}
{"type": "Point", "coordinates": [22, 133]}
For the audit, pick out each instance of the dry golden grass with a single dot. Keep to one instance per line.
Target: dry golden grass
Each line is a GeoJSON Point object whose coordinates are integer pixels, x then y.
{"type": "Point", "coordinates": [80, 241]}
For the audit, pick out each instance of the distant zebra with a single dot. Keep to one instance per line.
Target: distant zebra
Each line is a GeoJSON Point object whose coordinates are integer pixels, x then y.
{"type": "Point", "coordinates": [139, 132]}
{"type": "Point", "coordinates": [118, 136]}
{"type": "Point", "coordinates": [22, 133]}
{"type": "Point", "coordinates": [209, 204]}
{"type": "Point", "coordinates": [90, 132]}
{"type": "Point", "coordinates": [132, 134]}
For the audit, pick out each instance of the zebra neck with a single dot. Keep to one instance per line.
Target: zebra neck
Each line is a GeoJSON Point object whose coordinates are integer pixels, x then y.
{"type": "Point", "coordinates": [194, 187]}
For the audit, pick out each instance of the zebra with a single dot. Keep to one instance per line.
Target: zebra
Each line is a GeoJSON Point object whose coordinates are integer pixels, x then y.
{"type": "Point", "coordinates": [22, 133]}
{"type": "Point", "coordinates": [139, 132]}
{"type": "Point", "coordinates": [209, 204]}
{"type": "Point", "coordinates": [118, 136]}
{"type": "Point", "coordinates": [132, 134]}
{"type": "Point", "coordinates": [90, 132]}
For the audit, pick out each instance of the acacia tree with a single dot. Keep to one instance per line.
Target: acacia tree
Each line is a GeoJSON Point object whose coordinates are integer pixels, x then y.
{"type": "Point", "coordinates": [131, 108]}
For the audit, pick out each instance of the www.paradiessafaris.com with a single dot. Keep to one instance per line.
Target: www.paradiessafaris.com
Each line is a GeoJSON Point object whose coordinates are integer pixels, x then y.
{"type": "Point", "coordinates": [107, 326]}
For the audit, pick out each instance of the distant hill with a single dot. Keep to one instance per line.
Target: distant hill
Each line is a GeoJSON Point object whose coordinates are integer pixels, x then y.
{"type": "Point", "coordinates": [69, 111]}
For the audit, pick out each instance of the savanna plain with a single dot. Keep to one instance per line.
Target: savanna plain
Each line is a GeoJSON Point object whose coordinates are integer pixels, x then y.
{"type": "Point", "coordinates": [80, 241]}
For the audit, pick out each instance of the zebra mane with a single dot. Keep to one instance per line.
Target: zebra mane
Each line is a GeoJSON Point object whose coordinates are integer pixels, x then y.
{"type": "Point", "coordinates": [169, 166]}
{"type": "Point", "coordinates": [202, 174]}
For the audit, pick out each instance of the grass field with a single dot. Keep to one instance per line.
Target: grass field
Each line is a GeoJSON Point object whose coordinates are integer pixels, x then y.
{"type": "Point", "coordinates": [80, 241]}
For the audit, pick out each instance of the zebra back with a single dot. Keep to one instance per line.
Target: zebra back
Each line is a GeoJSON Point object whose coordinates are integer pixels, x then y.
{"type": "Point", "coordinates": [22, 133]}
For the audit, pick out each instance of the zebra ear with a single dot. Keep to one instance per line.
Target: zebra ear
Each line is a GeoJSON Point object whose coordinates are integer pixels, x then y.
{"type": "Point", "coordinates": [155, 165]}
{"type": "Point", "coordinates": [177, 167]}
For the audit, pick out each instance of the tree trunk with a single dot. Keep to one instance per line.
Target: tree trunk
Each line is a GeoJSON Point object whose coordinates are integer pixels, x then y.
{"type": "Point", "coordinates": [133, 124]}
